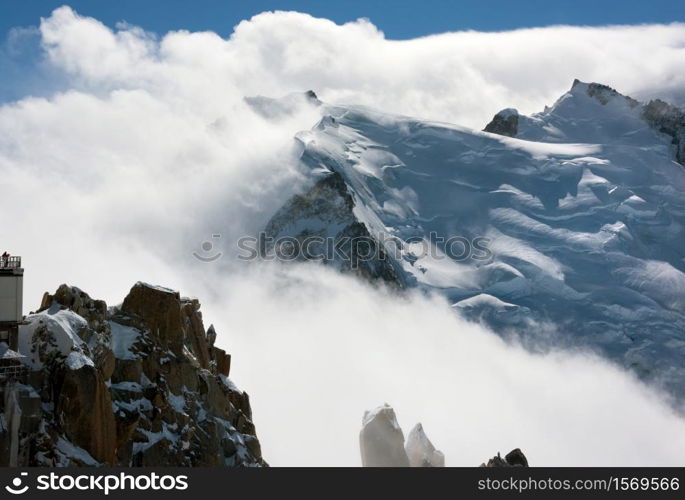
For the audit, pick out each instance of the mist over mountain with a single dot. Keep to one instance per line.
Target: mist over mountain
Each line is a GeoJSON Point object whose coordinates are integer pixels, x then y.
{"type": "Point", "coordinates": [559, 331]}
{"type": "Point", "coordinates": [580, 208]}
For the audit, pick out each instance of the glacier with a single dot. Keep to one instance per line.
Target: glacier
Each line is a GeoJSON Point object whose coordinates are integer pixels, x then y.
{"type": "Point", "coordinates": [580, 208]}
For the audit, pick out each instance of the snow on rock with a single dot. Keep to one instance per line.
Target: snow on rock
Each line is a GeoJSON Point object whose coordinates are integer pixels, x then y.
{"type": "Point", "coordinates": [670, 120]}
{"type": "Point", "coordinates": [504, 123]}
{"type": "Point", "coordinates": [136, 385]}
{"type": "Point", "coordinates": [421, 451]}
{"type": "Point", "coordinates": [123, 340]}
{"type": "Point", "coordinates": [381, 439]}
{"type": "Point", "coordinates": [177, 402]}
{"type": "Point", "coordinates": [229, 384]}
{"type": "Point", "coordinates": [77, 360]}
{"type": "Point", "coordinates": [50, 333]}
{"type": "Point", "coordinates": [70, 454]}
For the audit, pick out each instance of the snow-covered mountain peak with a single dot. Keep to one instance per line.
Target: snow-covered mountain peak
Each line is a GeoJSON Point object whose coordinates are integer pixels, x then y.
{"type": "Point", "coordinates": [601, 93]}
{"type": "Point", "coordinates": [597, 113]}
{"type": "Point", "coordinates": [575, 220]}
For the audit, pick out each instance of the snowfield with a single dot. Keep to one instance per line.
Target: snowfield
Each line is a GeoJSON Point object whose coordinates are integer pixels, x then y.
{"type": "Point", "coordinates": [583, 211]}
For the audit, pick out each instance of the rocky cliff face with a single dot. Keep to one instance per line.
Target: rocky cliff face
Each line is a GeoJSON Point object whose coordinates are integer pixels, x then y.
{"type": "Point", "coordinates": [670, 120]}
{"type": "Point", "coordinates": [321, 225]}
{"type": "Point", "coordinates": [137, 385]}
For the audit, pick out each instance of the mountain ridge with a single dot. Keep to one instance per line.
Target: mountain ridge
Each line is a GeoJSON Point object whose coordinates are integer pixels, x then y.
{"type": "Point", "coordinates": [582, 207]}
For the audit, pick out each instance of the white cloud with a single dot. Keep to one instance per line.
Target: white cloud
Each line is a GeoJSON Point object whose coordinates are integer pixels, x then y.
{"type": "Point", "coordinates": [462, 77]}
{"type": "Point", "coordinates": [316, 354]}
{"type": "Point", "coordinates": [151, 149]}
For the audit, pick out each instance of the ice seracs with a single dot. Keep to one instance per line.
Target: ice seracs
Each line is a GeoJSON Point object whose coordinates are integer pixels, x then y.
{"type": "Point", "coordinates": [382, 445]}
{"type": "Point", "coordinates": [420, 450]}
{"type": "Point", "coordinates": [381, 439]}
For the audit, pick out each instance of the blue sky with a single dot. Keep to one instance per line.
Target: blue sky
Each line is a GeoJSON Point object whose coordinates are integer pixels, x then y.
{"type": "Point", "coordinates": [23, 70]}
{"type": "Point", "coordinates": [399, 19]}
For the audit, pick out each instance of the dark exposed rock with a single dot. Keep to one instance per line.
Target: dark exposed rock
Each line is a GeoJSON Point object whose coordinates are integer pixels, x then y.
{"type": "Point", "coordinates": [669, 120]}
{"type": "Point", "coordinates": [158, 310]}
{"type": "Point", "coordinates": [84, 410]}
{"type": "Point", "coordinates": [603, 93]}
{"type": "Point", "coordinates": [515, 458]}
{"type": "Point", "coordinates": [126, 426]}
{"type": "Point", "coordinates": [21, 417]}
{"type": "Point", "coordinates": [504, 123]}
{"type": "Point", "coordinates": [104, 361]}
{"type": "Point", "coordinates": [211, 335]}
{"type": "Point", "coordinates": [221, 360]}
{"type": "Point", "coordinates": [75, 299]}
{"type": "Point", "coordinates": [334, 236]}
{"type": "Point", "coordinates": [660, 115]}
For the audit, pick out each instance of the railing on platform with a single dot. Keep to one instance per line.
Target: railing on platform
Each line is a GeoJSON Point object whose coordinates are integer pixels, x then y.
{"type": "Point", "coordinates": [13, 371]}
{"type": "Point", "coordinates": [12, 262]}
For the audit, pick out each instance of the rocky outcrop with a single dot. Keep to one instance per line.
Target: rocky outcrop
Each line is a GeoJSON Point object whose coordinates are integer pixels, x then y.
{"type": "Point", "coordinates": [669, 120]}
{"type": "Point", "coordinates": [660, 115]}
{"type": "Point", "coordinates": [382, 445]}
{"type": "Point", "coordinates": [505, 122]}
{"type": "Point", "coordinates": [515, 458]}
{"type": "Point", "coordinates": [381, 439]}
{"type": "Point", "coordinates": [382, 442]}
{"type": "Point", "coordinates": [21, 416]}
{"type": "Point", "coordinates": [320, 225]}
{"type": "Point", "coordinates": [138, 385]}
{"type": "Point", "coordinates": [604, 93]}
{"type": "Point", "coordinates": [420, 450]}
{"type": "Point", "coordinates": [84, 412]}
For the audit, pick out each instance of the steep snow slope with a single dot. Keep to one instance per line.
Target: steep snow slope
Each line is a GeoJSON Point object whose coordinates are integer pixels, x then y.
{"type": "Point", "coordinates": [591, 112]}
{"type": "Point", "coordinates": [573, 229]}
